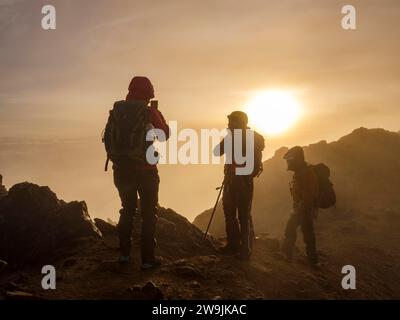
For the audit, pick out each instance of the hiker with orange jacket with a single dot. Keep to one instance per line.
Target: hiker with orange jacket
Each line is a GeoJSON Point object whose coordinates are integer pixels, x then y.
{"type": "Point", "coordinates": [304, 189]}
{"type": "Point", "coordinates": [126, 144]}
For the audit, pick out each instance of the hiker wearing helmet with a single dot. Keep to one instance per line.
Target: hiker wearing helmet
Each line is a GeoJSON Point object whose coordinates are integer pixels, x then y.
{"type": "Point", "coordinates": [126, 144]}
{"type": "Point", "coordinates": [238, 188]}
{"type": "Point", "coordinates": [304, 191]}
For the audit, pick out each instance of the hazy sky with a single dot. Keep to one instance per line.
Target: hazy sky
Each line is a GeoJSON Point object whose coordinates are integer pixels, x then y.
{"type": "Point", "coordinates": [205, 58]}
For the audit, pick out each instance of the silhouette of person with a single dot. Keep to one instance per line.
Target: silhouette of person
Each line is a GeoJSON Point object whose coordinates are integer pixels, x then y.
{"type": "Point", "coordinates": [139, 177]}
{"type": "Point", "coordinates": [238, 189]}
{"type": "Point", "coordinates": [304, 191]}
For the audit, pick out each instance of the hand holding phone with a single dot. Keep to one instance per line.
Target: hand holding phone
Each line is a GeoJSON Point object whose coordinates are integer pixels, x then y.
{"type": "Point", "coordinates": [154, 104]}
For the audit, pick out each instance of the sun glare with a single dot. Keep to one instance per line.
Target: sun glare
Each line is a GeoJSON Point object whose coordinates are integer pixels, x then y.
{"type": "Point", "coordinates": [273, 111]}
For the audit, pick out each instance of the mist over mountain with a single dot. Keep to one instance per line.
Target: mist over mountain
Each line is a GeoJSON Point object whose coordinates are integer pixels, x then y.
{"type": "Point", "coordinates": [365, 170]}
{"type": "Point", "coordinates": [363, 229]}
{"type": "Point", "coordinates": [75, 169]}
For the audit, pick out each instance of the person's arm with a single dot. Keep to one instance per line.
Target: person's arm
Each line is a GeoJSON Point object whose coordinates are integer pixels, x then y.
{"type": "Point", "coordinates": [158, 121]}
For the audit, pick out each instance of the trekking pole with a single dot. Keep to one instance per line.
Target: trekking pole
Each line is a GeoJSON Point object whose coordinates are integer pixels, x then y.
{"type": "Point", "coordinates": [253, 233]}
{"type": "Point", "coordinates": [215, 207]}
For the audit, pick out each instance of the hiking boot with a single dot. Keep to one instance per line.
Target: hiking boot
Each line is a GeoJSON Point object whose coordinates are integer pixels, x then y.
{"type": "Point", "coordinates": [229, 250]}
{"type": "Point", "coordinates": [148, 265]}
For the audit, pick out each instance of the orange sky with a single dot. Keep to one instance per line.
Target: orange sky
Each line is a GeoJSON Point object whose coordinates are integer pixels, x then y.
{"type": "Point", "coordinates": [205, 59]}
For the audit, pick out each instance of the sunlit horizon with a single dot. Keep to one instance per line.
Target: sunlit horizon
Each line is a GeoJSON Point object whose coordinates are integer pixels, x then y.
{"type": "Point", "coordinates": [58, 86]}
{"type": "Point", "coordinates": [273, 111]}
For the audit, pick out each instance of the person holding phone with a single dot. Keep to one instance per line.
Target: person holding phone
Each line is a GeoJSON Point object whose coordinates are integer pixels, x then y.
{"type": "Point", "coordinates": [134, 176]}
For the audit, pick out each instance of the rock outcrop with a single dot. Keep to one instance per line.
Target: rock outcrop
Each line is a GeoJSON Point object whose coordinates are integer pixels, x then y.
{"type": "Point", "coordinates": [35, 224]}
{"type": "Point", "coordinates": [106, 229]}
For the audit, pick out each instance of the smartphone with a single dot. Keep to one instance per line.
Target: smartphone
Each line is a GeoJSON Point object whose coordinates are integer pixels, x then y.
{"type": "Point", "coordinates": [154, 104]}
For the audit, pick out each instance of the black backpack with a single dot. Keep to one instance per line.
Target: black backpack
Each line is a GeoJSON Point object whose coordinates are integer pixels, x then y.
{"type": "Point", "coordinates": [326, 196]}
{"type": "Point", "coordinates": [125, 133]}
{"type": "Point", "coordinates": [259, 146]}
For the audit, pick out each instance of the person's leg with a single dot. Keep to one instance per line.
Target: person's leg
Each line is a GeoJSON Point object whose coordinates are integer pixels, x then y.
{"type": "Point", "coordinates": [126, 183]}
{"type": "Point", "coordinates": [231, 222]}
{"type": "Point", "coordinates": [307, 226]}
{"type": "Point", "coordinates": [148, 192]}
{"type": "Point", "coordinates": [244, 195]}
{"type": "Point", "coordinates": [290, 235]}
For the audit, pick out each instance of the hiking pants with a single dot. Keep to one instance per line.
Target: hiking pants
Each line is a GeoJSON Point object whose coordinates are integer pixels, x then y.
{"type": "Point", "coordinates": [306, 221]}
{"type": "Point", "coordinates": [131, 183]}
{"type": "Point", "coordinates": [237, 199]}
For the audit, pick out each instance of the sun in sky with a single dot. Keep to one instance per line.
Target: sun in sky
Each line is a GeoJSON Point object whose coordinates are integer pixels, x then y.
{"type": "Point", "coordinates": [273, 111]}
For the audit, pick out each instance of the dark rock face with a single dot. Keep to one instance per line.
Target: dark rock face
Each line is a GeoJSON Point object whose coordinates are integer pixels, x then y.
{"type": "Point", "coordinates": [149, 291]}
{"type": "Point", "coordinates": [36, 227]}
{"type": "Point", "coordinates": [175, 235]}
{"type": "Point", "coordinates": [35, 224]}
{"type": "Point", "coordinates": [175, 229]}
{"type": "Point", "coordinates": [106, 229]}
{"type": "Point", "coordinates": [3, 265]}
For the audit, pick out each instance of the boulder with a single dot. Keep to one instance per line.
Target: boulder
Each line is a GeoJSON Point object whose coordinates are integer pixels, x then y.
{"type": "Point", "coordinates": [3, 265]}
{"type": "Point", "coordinates": [35, 224]}
{"type": "Point", "coordinates": [106, 229]}
{"type": "Point", "coordinates": [182, 234]}
{"type": "Point", "coordinates": [150, 291]}
{"type": "Point", "coordinates": [165, 228]}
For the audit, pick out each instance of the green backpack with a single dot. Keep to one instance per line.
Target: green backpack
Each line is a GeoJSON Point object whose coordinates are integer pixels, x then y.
{"type": "Point", "coordinates": [125, 133]}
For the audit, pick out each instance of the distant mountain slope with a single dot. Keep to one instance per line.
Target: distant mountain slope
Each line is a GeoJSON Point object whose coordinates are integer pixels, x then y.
{"type": "Point", "coordinates": [365, 169]}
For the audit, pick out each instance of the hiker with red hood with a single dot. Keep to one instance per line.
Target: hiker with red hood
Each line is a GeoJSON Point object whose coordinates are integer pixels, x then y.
{"type": "Point", "coordinates": [127, 145]}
